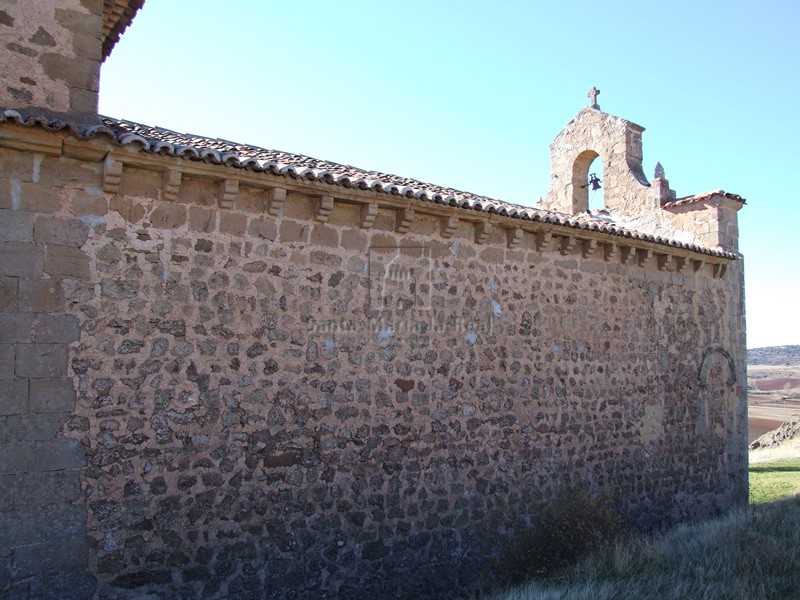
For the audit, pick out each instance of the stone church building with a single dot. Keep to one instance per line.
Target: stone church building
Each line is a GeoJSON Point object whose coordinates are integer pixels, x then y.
{"type": "Point", "coordinates": [233, 372]}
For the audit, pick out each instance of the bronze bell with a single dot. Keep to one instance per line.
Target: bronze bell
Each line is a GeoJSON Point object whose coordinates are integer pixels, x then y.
{"type": "Point", "coordinates": [594, 181]}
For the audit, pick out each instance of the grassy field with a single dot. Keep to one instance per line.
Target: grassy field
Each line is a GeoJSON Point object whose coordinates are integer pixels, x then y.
{"type": "Point", "coordinates": [772, 480]}
{"type": "Point", "coordinates": [753, 553]}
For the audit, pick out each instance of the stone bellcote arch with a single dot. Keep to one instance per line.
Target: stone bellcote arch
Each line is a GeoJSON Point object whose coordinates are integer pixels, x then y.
{"type": "Point", "coordinates": [591, 134]}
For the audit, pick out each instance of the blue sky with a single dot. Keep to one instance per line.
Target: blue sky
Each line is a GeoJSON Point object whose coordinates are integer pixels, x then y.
{"type": "Point", "coordinates": [469, 94]}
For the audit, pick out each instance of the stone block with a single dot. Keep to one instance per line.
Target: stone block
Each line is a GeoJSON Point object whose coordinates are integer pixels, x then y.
{"type": "Point", "coordinates": [201, 219]}
{"type": "Point", "coordinates": [41, 456]}
{"type": "Point", "coordinates": [66, 261]}
{"type": "Point", "coordinates": [62, 232]}
{"type": "Point", "coordinates": [7, 483]}
{"type": "Point", "coordinates": [43, 489]}
{"type": "Point", "coordinates": [41, 361]}
{"type": "Point", "coordinates": [323, 235]}
{"type": "Point", "coordinates": [51, 395]}
{"type": "Point", "coordinates": [47, 558]}
{"type": "Point", "coordinates": [355, 239]}
{"type": "Point", "coordinates": [16, 226]}
{"type": "Point", "coordinates": [198, 191]}
{"type": "Point", "coordinates": [13, 396]}
{"type": "Point", "coordinates": [6, 361]}
{"type": "Point", "coordinates": [68, 585]}
{"type": "Point", "coordinates": [15, 327]}
{"type": "Point", "coordinates": [21, 259]}
{"type": "Point", "coordinates": [232, 223]}
{"type": "Point", "coordinates": [56, 524]}
{"type": "Point", "coordinates": [263, 227]}
{"type": "Point", "coordinates": [9, 196]}
{"type": "Point", "coordinates": [140, 183]}
{"type": "Point", "coordinates": [293, 231]}
{"type": "Point", "coordinates": [79, 22]}
{"type": "Point", "coordinates": [131, 211]}
{"type": "Point", "coordinates": [16, 165]}
{"type": "Point", "coordinates": [56, 329]}
{"type": "Point", "coordinates": [8, 294]}
{"type": "Point", "coordinates": [19, 529]}
{"type": "Point", "coordinates": [168, 216]}
{"type": "Point", "coordinates": [41, 295]}
{"type": "Point", "coordinates": [34, 197]}
{"type": "Point", "coordinates": [61, 172]}
{"type": "Point", "coordinates": [29, 428]}
{"type": "Point", "coordinates": [87, 204]}
{"type": "Point", "coordinates": [78, 73]}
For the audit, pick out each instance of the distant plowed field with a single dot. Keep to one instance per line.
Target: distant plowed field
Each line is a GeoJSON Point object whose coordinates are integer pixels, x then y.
{"type": "Point", "coordinates": [774, 385]}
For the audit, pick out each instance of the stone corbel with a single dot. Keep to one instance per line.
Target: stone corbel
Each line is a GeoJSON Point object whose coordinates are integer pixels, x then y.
{"type": "Point", "coordinates": [566, 245]}
{"type": "Point", "coordinates": [698, 265]}
{"type": "Point", "coordinates": [172, 184]}
{"type": "Point", "coordinates": [449, 226]}
{"type": "Point", "coordinates": [275, 200]}
{"type": "Point", "coordinates": [720, 270]}
{"type": "Point", "coordinates": [514, 237]}
{"type": "Point", "coordinates": [680, 263]}
{"type": "Point", "coordinates": [324, 208]}
{"type": "Point", "coordinates": [589, 248]}
{"type": "Point", "coordinates": [482, 231]}
{"type": "Point", "coordinates": [544, 241]}
{"type": "Point", "coordinates": [626, 254]}
{"type": "Point", "coordinates": [609, 252]}
{"type": "Point", "coordinates": [405, 217]}
{"type": "Point", "coordinates": [112, 175]}
{"type": "Point", "coordinates": [227, 192]}
{"type": "Point", "coordinates": [368, 214]}
{"type": "Point", "coordinates": [643, 257]}
{"type": "Point", "coordinates": [663, 261]}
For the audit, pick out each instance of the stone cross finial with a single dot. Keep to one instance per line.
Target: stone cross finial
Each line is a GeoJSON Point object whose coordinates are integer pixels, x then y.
{"type": "Point", "coordinates": [592, 95]}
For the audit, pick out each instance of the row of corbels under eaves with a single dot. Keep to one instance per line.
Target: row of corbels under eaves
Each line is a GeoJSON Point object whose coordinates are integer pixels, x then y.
{"type": "Point", "coordinates": [548, 237]}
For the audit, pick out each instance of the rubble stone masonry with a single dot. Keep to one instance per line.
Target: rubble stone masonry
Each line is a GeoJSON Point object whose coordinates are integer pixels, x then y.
{"type": "Point", "coordinates": [208, 389]}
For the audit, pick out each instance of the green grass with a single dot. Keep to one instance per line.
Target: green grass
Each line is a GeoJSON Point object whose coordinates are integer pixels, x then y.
{"type": "Point", "coordinates": [772, 480]}
{"type": "Point", "coordinates": [752, 553]}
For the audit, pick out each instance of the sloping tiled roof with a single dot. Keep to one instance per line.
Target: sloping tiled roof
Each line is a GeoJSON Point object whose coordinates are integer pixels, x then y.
{"type": "Point", "coordinates": [702, 197]}
{"type": "Point", "coordinates": [157, 140]}
{"type": "Point", "coordinates": [117, 16]}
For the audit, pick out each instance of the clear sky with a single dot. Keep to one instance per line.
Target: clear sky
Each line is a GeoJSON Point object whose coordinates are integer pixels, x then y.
{"type": "Point", "coordinates": [469, 94]}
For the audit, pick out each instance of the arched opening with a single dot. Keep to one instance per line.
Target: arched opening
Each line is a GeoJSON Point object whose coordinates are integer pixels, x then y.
{"type": "Point", "coordinates": [595, 189]}
{"type": "Point", "coordinates": [586, 163]}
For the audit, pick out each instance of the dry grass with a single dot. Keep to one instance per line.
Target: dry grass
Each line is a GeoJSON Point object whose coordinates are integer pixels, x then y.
{"type": "Point", "coordinates": [787, 450]}
{"type": "Point", "coordinates": [754, 553]}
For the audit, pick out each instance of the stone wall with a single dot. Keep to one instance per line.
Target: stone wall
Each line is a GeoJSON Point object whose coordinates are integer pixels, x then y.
{"type": "Point", "coordinates": [290, 397]}
{"type": "Point", "coordinates": [50, 55]}
{"type": "Point", "coordinates": [43, 544]}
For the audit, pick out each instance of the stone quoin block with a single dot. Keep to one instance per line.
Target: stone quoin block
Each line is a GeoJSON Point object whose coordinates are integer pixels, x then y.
{"type": "Point", "coordinates": [7, 353]}
{"type": "Point", "coordinates": [8, 294]}
{"type": "Point", "coordinates": [21, 259]}
{"type": "Point", "coordinates": [66, 261]}
{"type": "Point", "coordinates": [15, 327]}
{"type": "Point", "coordinates": [52, 395]}
{"type": "Point", "coordinates": [41, 295]}
{"type": "Point", "coordinates": [41, 456]}
{"type": "Point", "coordinates": [13, 397]}
{"type": "Point", "coordinates": [16, 226]}
{"type": "Point", "coordinates": [55, 329]}
{"type": "Point", "coordinates": [41, 361]}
